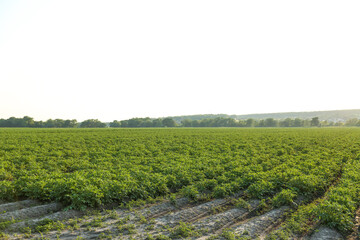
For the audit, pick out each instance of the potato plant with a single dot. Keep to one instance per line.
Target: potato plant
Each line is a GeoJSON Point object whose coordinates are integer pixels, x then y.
{"type": "Point", "coordinates": [92, 167]}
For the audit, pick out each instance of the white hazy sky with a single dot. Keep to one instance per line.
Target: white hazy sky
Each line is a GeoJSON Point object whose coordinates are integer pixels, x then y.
{"type": "Point", "coordinates": [121, 59]}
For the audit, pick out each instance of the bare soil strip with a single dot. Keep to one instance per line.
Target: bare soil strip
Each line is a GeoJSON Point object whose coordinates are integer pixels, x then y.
{"type": "Point", "coordinates": [218, 221]}
{"type": "Point", "coordinates": [9, 207]}
{"type": "Point", "coordinates": [32, 212]}
{"type": "Point", "coordinates": [257, 225]}
{"type": "Point", "coordinates": [205, 218]}
{"type": "Point", "coordinates": [160, 209]}
{"type": "Point", "coordinates": [189, 214]}
{"type": "Point", "coordinates": [162, 224]}
{"type": "Point", "coordinates": [325, 233]}
{"type": "Point", "coordinates": [57, 216]}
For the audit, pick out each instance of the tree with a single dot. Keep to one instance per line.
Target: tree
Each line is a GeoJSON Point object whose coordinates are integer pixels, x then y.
{"type": "Point", "coordinates": [135, 122]}
{"type": "Point", "coordinates": [124, 123]}
{"type": "Point", "coordinates": [147, 123]}
{"type": "Point", "coordinates": [250, 122]}
{"type": "Point", "coordinates": [115, 124]}
{"type": "Point", "coordinates": [186, 123]}
{"type": "Point", "coordinates": [92, 123]}
{"type": "Point", "coordinates": [195, 123]}
{"type": "Point", "coordinates": [50, 123]}
{"type": "Point", "coordinates": [157, 123]}
{"type": "Point", "coordinates": [270, 122]}
{"type": "Point", "coordinates": [286, 122]}
{"type": "Point", "coordinates": [298, 122]}
{"type": "Point", "coordinates": [28, 121]}
{"type": "Point", "coordinates": [315, 122]}
{"type": "Point", "coordinates": [70, 123]}
{"type": "Point", "coordinates": [261, 123]}
{"type": "Point", "coordinates": [59, 123]}
{"type": "Point", "coordinates": [352, 122]}
{"type": "Point", "coordinates": [168, 122]}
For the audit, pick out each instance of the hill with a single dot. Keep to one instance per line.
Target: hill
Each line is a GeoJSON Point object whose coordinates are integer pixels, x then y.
{"type": "Point", "coordinates": [333, 115]}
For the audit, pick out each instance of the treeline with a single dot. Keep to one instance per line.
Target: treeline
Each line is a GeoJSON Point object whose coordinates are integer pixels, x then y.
{"type": "Point", "coordinates": [29, 122]}
{"type": "Point", "coordinates": [169, 122]}
{"type": "Point", "coordinates": [218, 122]}
{"type": "Point", "coordinates": [144, 122]}
{"type": "Point", "coordinates": [268, 122]}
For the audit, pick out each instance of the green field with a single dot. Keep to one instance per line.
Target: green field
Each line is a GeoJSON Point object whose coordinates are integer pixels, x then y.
{"type": "Point", "coordinates": [316, 171]}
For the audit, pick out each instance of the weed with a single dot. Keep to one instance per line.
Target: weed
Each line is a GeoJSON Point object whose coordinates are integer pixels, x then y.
{"type": "Point", "coordinates": [47, 225]}
{"type": "Point", "coordinates": [126, 229]}
{"type": "Point", "coordinates": [150, 227]}
{"type": "Point", "coordinates": [184, 230]}
{"type": "Point", "coordinates": [112, 214]}
{"type": "Point", "coordinates": [241, 203]}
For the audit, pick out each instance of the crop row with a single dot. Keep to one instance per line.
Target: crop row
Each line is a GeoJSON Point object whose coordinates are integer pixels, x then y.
{"type": "Point", "coordinates": [91, 167]}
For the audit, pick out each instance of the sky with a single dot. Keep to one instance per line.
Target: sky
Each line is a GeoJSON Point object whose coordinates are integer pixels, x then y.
{"type": "Point", "coordinates": [115, 60]}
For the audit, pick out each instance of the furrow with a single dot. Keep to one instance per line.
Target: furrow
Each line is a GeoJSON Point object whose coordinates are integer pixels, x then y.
{"type": "Point", "coordinates": [163, 223]}
{"type": "Point", "coordinates": [217, 221]}
{"type": "Point", "coordinates": [32, 212]}
{"type": "Point", "coordinates": [163, 208]}
{"type": "Point", "coordinates": [190, 214]}
{"type": "Point", "coordinates": [155, 210]}
{"type": "Point", "coordinates": [13, 206]}
{"type": "Point", "coordinates": [258, 225]}
{"type": "Point", "coordinates": [325, 233]}
{"type": "Point", "coordinates": [57, 216]}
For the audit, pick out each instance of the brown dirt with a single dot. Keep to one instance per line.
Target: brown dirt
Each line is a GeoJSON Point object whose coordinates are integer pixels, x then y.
{"type": "Point", "coordinates": [31, 212]}
{"type": "Point", "coordinates": [325, 233]}
{"type": "Point", "coordinates": [8, 207]}
{"type": "Point", "coordinates": [208, 219]}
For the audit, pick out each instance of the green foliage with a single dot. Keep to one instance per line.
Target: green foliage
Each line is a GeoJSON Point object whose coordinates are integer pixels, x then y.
{"type": "Point", "coordinates": [92, 123]}
{"type": "Point", "coordinates": [339, 207]}
{"type": "Point", "coordinates": [126, 229]}
{"type": "Point", "coordinates": [190, 192]}
{"type": "Point", "coordinates": [241, 203]}
{"type": "Point", "coordinates": [47, 225]}
{"type": "Point", "coordinates": [5, 224]}
{"type": "Point", "coordinates": [184, 230]}
{"type": "Point", "coordinates": [228, 234]}
{"type": "Point", "coordinates": [91, 167]}
{"type": "Point", "coordinates": [285, 197]}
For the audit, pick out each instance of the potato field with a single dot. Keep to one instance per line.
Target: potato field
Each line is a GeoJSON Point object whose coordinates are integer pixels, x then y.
{"type": "Point", "coordinates": [189, 183]}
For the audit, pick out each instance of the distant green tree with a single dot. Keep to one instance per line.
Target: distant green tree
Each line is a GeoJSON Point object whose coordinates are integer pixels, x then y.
{"type": "Point", "coordinates": [186, 123]}
{"type": "Point", "coordinates": [315, 122]}
{"type": "Point", "coordinates": [260, 123]}
{"type": "Point", "coordinates": [124, 123]}
{"type": "Point", "coordinates": [168, 122]}
{"type": "Point", "coordinates": [250, 122]}
{"type": "Point", "coordinates": [286, 122]}
{"type": "Point", "coordinates": [59, 123]}
{"type": "Point", "coordinates": [147, 123]}
{"type": "Point", "coordinates": [270, 122]}
{"type": "Point", "coordinates": [352, 122]}
{"type": "Point", "coordinates": [70, 123]}
{"type": "Point", "coordinates": [135, 122]}
{"type": "Point", "coordinates": [50, 123]}
{"type": "Point", "coordinates": [195, 123]}
{"type": "Point", "coordinates": [157, 123]}
{"type": "Point", "coordinates": [28, 121]}
{"type": "Point", "coordinates": [92, 123]}
{"type": "Point", "coordinates": [115, 124]}
{"type": "Point", "coordinates": [298, 122]}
